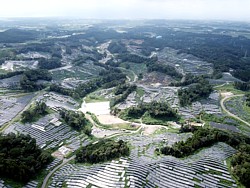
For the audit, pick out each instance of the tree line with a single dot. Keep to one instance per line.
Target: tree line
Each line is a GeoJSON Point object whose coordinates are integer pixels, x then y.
{"type": "Point", "coordinates": [76, 120]}
{"type": "Point", "coordinates": [163, 68]}
{"type": "Point", "coordinates": [10, 74]}
{"type": "Point", "coordinates": [107, 79]}
{"type": "Point", "coordinates": [123, 91]}
{"type": "Point", "coordinates": [204, 137]}
{"type": "Point", "coordinates": [194, 92]}
{"type": "Point", "coordinates": [243, 86]}
{"type": "Point", "coordinates": [154, 109]}
{"type": "Point", "coordinates": [20, 158]}
{"type": "Point", "coordinates": [34, 112]}
{"type": "Point", "coordinates": [102, 151]}
{"type": "Point", "coordinates": [188, 79]}
{"type": "Point", "coordinates": [29, 79]}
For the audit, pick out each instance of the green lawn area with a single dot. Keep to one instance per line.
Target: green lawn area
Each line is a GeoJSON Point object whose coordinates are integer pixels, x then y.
{"type": "Point", "coordinates": [94, 98]}
{"type": "Point", "coordinates": [229, 88]}
{"type": "Point", "coordinates": [137, 68]}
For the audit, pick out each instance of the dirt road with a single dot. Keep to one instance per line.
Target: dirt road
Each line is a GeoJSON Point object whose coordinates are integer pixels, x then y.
{"type": "Point", "coordinates": [229, 113]}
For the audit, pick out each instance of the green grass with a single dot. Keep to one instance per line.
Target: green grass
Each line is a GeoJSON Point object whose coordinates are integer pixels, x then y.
{"type": "Point", "coordinates": [94, 98]}
{"type": "Point", "coordinates": [229, 88]}
{"type": "Point", "coordinates": [124, 115]}
{"type": "Point", "coordinates": [137, 68]}
{"type": "Point", "coordinates": [228, 161]}
{"type": "Point", "coordinates": [147, 119]}
{"type": "Point", "coordinates": [126, 126]}
{"type": "Point", "coordinates": [160, 131]}
{"type": "Point", "coordinates": [246, 108]}
{"type": "Point", "coordinates": [140, 92]}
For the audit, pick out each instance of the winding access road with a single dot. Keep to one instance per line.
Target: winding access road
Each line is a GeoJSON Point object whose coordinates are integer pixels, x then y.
{"type": "Point", "coordinates": [229, 113]}
{"type": "Point", "coordinates": [46, 179]}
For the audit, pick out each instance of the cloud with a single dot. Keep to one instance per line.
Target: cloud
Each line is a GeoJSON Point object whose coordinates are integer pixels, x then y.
{"type": "Point", "coordinates": [132, 9]}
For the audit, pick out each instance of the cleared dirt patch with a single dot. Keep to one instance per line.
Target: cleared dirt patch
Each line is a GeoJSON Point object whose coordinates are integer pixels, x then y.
{"type": "Point", "coordinates": [226, 94]}
{"type": "Point", "coordinates": [150, 129]}
{"type": "Point", "coordinates": [109, 120]}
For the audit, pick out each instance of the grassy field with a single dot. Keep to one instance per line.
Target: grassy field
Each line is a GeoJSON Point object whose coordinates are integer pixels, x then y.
{"type": "Point", "coordinates": [94, 98]}
{"type": "Point", "coordinates": [126, 126]}
{"type": "Point", "coordinates": [229, 88]}
{"type": "Point", "coordinates": [137, 68]}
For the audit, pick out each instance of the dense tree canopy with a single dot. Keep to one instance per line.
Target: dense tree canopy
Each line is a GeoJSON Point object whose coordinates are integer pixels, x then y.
{"type": "Point", "coordinates": [123, 92]}
{"type": "Point", "coordinates": [34, 112]}
{"type": "Point", "coordinates": [188, 79]}
{"type": "Point", "coordinates": [154, 109]}
{"type": "Point", "coordinates": [20, 158]}
{"type": "Point", "coordinates": [243, 86]}
{"type": "Point", "coordinates": [102, 151]}
{"type": "Point", "coordinates": [194, 92]}
{"type": "Point", "coordinates": [76, 120]}
{"type": "Point", "coordinates": [49, 63]}
{"type": "Point", "coordinates": [17, 35]}
{"type": "Point", "coordinates": [207, 137]}
{"type": "Point", "coordinates": [10, 74]}
{"type": "Point", "coordinates": [117, 47]}
{"type": "Point", "coordinates": [163, 68]}
{"type": "Point", "coordinates": [29, 79]}
{"type": "Point", "coordinates": [107, 79]}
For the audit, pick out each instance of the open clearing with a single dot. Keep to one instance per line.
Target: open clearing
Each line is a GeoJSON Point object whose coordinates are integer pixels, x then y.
{"type": "Point", "coordinates": [97, 108]}
{"type": "Point", "coordinates": [109, 120]}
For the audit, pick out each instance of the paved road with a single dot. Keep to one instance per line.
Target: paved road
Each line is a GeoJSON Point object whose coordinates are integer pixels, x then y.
{"type": "Point", "coordinates": [229, 113]}
{"type": "Point", "coordinates": [65, 161]}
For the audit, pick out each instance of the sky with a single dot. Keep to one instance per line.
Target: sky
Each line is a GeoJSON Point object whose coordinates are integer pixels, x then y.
{"type": "Point", "coordinates": [236, 10]}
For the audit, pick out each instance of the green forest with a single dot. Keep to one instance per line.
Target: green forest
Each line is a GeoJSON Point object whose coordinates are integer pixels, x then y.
{"type": "Point", "coordinates": [157, 110]}
{"type": "Point", "coordinates": [35, 112]}
{"type": "Point", "coordinates": [103, 150]}
{"type": "Point", "coordinates": [207, 137]}
{"type": "Point", "coordinates": [194, 92]}
{"type": "Point", "coordinates": [29, 79]}
{"type": "Point", "coordinates": [20, 158]}
{"type": "Point", "coordinates": [76, 120]}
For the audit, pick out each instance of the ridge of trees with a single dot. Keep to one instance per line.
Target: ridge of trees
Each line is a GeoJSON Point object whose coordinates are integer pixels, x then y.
{"type": "Point", "coordinates": [52, 63]}
{"type": "Point", "coordinates": [243, 86]}
{"type": "Point", "coordinates": [204, 137]}
{"type": "Point", "coordinates": [123, 91]}
{"type": "Point", "coordinates": [34, 112]}
{"type": "Point", "coordinates": [20, 158]}
{"type": "Point", "coordinates": [10, 74]}
{"type": "Point", "coordinates": [17, 36]}
{"type": "Point", "coordinates": [247, 99]}
{"type": "Point", "coordinates": [128, 57]}
{"type": "Point", "coordinates": [189, 79]}
{"type": "Point", "coordinates": [194, 92]}
{"type": "Point", "coordinates": [117, 47]}
{"type": "Point", "coordinates": [102, 151]}
{"type": "Point", "coordinates": [108, 78]}
{"type": "Point", "coordinates": [163, 68]}
{"type": "Point", "coordinates": [154, 109]}
{"type": "Point", "coordinates": [76, 120]}
{"type": "Point", "coordinates": [29, 79]}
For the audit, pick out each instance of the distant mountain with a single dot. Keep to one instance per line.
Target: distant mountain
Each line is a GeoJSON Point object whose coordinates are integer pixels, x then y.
{"type": "Point", "coordinates": [17, 36]}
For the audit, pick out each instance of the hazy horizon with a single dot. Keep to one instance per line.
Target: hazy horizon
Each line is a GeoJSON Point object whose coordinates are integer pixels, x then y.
{"type": "Point", "coordinates": [233, 10]}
